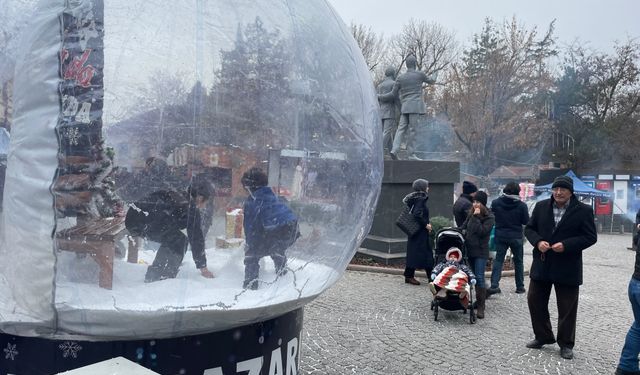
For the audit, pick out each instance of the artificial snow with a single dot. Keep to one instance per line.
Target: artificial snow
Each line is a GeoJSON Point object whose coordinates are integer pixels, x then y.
{"type": "Point", "coordinates": [189, 303]}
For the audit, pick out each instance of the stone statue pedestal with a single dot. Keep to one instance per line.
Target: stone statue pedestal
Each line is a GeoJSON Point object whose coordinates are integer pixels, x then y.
{"type": "Point", "coordinates": [386, 243]}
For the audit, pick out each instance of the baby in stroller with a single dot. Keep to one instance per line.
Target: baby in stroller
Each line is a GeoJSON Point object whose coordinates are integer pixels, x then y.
{"type": "Point", "coordinates": [451, 275]}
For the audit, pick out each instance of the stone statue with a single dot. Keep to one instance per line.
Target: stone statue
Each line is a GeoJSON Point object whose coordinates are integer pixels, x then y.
{"type": "Point", "coordinates": [388, 109]}
{"type": "Point", "coordinates": [408, 87]}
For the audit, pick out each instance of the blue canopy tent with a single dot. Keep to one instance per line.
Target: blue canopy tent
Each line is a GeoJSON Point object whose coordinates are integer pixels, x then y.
{"type": "Point", "coordinates": [579, 188]}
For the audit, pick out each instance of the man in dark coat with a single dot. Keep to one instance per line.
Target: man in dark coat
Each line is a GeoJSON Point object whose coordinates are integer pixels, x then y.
{"type": "Point", "coordinates": [511, 214]}
{"type": "Point", "coordinates": [559, 229]}
{"type": "Point", "coordinates": [463, 204]}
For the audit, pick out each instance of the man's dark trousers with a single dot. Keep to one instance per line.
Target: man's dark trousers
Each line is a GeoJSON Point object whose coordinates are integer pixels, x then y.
{"type": "Point", "coordinates": [567, 299]}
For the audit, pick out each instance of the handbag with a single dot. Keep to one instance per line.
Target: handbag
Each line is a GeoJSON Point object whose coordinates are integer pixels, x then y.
{"type": "Point", "coordinates": [407, 222]}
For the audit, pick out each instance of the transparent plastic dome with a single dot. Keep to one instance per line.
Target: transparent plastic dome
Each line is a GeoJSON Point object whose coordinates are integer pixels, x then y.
{"type": "Point", "coordinates": [118, 101]}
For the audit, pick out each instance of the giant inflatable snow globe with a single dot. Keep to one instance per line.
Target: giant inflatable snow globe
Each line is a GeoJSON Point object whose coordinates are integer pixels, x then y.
{"type": "Point", "coordinates": [182, 178]}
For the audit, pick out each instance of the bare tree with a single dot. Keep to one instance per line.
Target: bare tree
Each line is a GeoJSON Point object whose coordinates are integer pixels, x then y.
{"type": "Point", "coordinates": [497, 97]}
{"type": "Point", "coordinates": [163, 90]}
{"type": "Point", "coordinates": [372, 45]}
{"type": "Point", "coordinates": [597, 103]}
{"type": "Point", "coordinates": [434, 47]}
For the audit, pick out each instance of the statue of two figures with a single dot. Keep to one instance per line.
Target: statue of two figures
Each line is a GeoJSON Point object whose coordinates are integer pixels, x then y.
{"type": "Point", "coordinates": [407, 90]}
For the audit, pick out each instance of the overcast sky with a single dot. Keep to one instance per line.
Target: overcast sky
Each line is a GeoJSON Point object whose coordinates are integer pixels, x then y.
{"type": "Point", "coordinates": [598, 22]}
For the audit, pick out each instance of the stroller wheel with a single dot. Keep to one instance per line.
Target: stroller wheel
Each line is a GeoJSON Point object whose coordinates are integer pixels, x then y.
{"type": "Point", "coordinates": [433, 304]}
{"type": "Point", "coordinates": [435, 312]}
{"type": "Point", "coordinates": [472, 316]}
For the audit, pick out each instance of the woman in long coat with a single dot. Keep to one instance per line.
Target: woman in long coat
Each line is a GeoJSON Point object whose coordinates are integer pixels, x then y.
{"type": "Point", "coordinates": [419, 252]}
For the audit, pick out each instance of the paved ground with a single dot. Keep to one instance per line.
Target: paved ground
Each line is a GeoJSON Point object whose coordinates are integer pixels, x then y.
{"type": "Point", "coordinates": [372, 323]}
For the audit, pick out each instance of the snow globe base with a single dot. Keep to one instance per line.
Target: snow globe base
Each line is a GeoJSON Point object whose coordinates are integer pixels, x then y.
{"type": "Point", "coordinates": [256, 348]}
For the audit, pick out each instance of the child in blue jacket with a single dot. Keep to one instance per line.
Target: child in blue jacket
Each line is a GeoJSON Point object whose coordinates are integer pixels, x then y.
{"type": "Point", "coordinates": [270, 227]}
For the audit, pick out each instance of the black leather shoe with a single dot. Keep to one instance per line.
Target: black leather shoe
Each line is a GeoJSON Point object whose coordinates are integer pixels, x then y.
{"type": "Point", "coordinates": [521, 290]}
{"type": "Point", "coordinates": [538, 344]}
{"type": "Point", "coordinates": [566, 353]}
{"type": "Point", "coordinates": [393, 156]}
{"type": "Point", "coordinates": [411, 280]}
{"type": "Point", "coordinates": [492, 291]}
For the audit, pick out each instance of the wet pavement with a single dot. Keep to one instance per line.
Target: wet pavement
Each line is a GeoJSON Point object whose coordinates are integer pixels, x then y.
{"type": "Point", "coordinates": [374, 323]}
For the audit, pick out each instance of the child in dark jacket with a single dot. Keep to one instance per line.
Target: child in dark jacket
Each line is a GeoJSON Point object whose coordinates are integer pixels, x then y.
{"type": "Point", "coordinates": [452, 275]}
{"type": "Point", "coordinates": [270, 227]}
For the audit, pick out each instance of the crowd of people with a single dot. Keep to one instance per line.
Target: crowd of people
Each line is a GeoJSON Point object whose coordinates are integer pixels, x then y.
{"type": "Point", "coordinates": [559, 229]}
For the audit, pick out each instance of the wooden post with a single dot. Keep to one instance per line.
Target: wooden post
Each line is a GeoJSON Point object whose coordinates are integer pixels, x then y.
{"type": "Point", "coordinates": [134, 246]}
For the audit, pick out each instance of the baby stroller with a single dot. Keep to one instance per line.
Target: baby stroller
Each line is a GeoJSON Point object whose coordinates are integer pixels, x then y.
{"type": "Point", "coordinates": [447, 238]}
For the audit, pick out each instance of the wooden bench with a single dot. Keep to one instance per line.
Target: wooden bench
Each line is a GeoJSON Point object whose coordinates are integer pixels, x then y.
{"type": "Point", "coordinates": [98, 238]}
